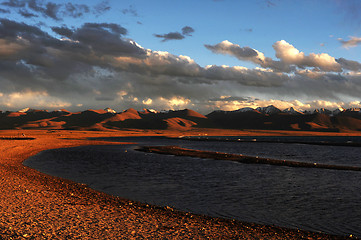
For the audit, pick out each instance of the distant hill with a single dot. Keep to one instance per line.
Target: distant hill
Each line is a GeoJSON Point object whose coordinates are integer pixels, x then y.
{"type": "Point", "coordinates": [267, 118]}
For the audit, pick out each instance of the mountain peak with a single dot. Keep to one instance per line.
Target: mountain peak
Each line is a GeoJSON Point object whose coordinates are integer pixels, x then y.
{"type": "Point", "coordinates": [131, 110]}
{"type": "Point", "coordinates": [268, 110]}
{"type": "Point", "coordinates": [292, 110]}
{"type": "Point", "coordinates": [109, 110]}
{"type": "Point", "coordinates": [323, 111]}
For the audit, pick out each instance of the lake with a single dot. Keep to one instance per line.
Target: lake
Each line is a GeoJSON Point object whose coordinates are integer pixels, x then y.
{"type": "Point", "coordinates": [311, 199]}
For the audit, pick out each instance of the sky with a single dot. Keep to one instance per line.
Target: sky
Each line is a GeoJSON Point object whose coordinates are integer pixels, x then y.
{"type": "Point", "coordinates": [203, 55]}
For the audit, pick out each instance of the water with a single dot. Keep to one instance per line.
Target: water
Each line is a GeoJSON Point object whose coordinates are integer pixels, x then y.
{"type": "Point", "coordinates": [312, 199]}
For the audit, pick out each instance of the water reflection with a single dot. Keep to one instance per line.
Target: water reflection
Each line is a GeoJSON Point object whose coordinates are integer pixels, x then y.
{"type": "Point", "coordinates": [313, 199]}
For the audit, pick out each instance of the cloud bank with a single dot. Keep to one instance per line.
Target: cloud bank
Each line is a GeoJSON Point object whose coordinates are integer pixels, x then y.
{"type": "Point", "coordinates": [55, 11]}
{"type": "Point", "coordinates": [98, 65]}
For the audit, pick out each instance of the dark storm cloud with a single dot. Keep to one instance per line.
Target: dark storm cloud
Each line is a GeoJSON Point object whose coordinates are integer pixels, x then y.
{"type": "Point", "coordinates": [13, 29]}
{"type": "Point", "coordinates": [232, 98]}
{"type": "Point", "coordinates": [34, 59]}
{"type": "Point", "coordinates": [27, 14]}
{"type": "Point", "coordinates": [48, 10]}
{"type": "Point", "coordinates": [107, 39]}
{"type": "Point", "coordinates": [52, 10]}
{"type": "Point", "coordinates": [48, 56]}
{"type": "Point", "coordinates": [349, 64]}
{"type": "Point", "coordinates": [101, 8]}
{"type": "Point", "coordinates": [186, 31]}
{"type": "Point", "coordinates": [76, 10]}
{"type": "Point", "coordinates": [14, 3]}
{"type": "Point", "coordinates": [114, 28]}
{"type": "Point", "coordinates": [170, 36]}
{"type": "Point", "coordinates": [63, 31]}
{"type": "Point", "coordinates": [56, 11]}
{"type": "Point", "coordinates": [4, 10]}
{"type": "Point", "coordinates": [237, 51]}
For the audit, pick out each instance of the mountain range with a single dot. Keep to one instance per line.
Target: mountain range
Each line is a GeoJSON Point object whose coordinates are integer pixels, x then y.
{"type": "Point", "coordinates": [266, 118]}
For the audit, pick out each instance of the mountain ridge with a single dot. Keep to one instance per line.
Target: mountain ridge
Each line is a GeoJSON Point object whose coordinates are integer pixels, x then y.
{"type": "Point", "coordinates": [266, 118]}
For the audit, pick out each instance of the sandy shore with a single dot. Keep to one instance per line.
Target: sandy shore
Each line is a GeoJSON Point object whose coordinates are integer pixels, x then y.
{"type": "Point", "coordinates": [38, 206]}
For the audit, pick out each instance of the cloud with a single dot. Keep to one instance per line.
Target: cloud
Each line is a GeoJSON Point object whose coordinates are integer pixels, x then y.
{"type": "Point", "coordinates": [242, 53]}
{"type": "Point", "coordinates": [147, 101]}
{"type": "Point", "coordinates": [96, 65]}
{"type": "Point", "coordinates": [63, 31]}
{"type": "Point", "coordinates": [32, 99]}
{"type": "Point", "coordinates": [56, 11]}
{"type": "Point", "coordinates": [76, 10]}
{"type": "Point", "coordinates": [130, 10]}
{"type": "Point", "coordinates": [270, 3]}
{"type": "Point", "coordinates": [186, 31]}
{"type": "Point", "coordinates": [349, 64]}
{"type": "Point", "coordinates": [4, 10]}
{"type": "Point", "coordinates": [289, 56]}
{"type": "Point", "coordinates": [101, 8]}
{"type": "Point", "coordinates": [14, 3]}
{"type": "Point", "coordinates": [48, 10]}
{"type": "Point", "coordinates": [27, 14]}
{"type": "Point", "coordinates": [170, 36]}
{"type": "Point", "coordinates": [247, 54]}
{"type": "Point", "coordinates": [352, 42]}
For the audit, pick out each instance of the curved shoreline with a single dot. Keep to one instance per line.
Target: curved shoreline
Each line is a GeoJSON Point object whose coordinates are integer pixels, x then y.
{"type": "Point", "coordinates": [46, 207]}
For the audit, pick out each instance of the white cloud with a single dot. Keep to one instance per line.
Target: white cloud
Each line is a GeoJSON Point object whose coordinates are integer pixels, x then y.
{"type": "Point", "coordinates": [286, 52]}
{"type": "Point", "coordinates": [147, 101]}
{"type": "Point", "coordinates": [290, 55]}
{"type": "Point", "coordinates": [176, 102]}
{"type": "Point", "coordinates": [122, 93]}
{"type": "Point", "coordinates": [28, 98]}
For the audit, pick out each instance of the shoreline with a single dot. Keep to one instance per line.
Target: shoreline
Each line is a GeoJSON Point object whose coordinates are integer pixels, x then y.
{"type": "Point", "coordinates": [45, 207]}
{"type": "Point", "coordinates": [178, 151]}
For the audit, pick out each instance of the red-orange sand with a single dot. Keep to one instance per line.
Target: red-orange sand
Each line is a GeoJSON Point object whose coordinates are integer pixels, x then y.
{"type": "Point", "coordinates": [38, 206]}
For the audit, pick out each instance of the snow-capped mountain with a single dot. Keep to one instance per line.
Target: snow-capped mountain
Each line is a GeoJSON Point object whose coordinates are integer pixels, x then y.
{"type": "Point", "coordinates": [30, 110]}
{"type": "Point", "coordinates": [292, 110]}
{"type": "Point", "coordinates": [25, 110]}
{"type": "Point", "coordinates": [246, 109]}
{"type": "Point", "coordinates": [353, 110]}
{"type": "Point", "coordinates": [268, 110]}
{"type": "Point", "coordinates": [109, 110]}
{"type": "Point", "coordinates": [338, 111]}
